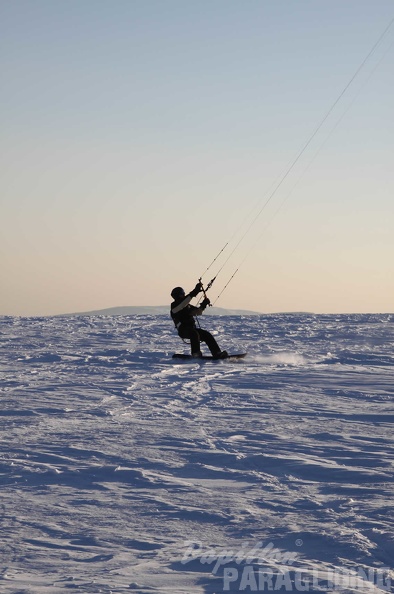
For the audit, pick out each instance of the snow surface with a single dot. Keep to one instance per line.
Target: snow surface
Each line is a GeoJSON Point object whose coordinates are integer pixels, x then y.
{"type": "Point", "coordinates": [115, 458]}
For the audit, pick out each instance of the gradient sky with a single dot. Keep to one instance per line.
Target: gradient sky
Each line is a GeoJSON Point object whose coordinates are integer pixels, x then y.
{"type": "Point", "coordinates": [140, 136]}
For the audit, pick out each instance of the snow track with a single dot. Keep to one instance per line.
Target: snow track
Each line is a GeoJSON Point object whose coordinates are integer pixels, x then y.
{"type": "Point", "coordinates": [113, 455]}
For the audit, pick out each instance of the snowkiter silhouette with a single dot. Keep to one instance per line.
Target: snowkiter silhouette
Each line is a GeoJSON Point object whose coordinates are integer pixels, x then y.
{"type": "Point", "coordinates": [183, 315]}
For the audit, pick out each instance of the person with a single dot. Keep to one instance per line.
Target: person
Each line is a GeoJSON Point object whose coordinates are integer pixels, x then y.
{"type": "Point", "coordinates": [183, 315]}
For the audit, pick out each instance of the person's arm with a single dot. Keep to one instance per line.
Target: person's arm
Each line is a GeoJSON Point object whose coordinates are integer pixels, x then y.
{"type": "Point", "coordinates": [199, 310]}
{"type": "Point", "coordinates": [197, 289]}
{"type": "Point", "coordinates": [182, 304]}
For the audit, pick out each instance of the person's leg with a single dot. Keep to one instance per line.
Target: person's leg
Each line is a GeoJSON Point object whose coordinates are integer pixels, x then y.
{"type": "Point", "coordinates": [195, 342]}
{"type": "Point", "coordinates": [194, 338]}
{"type": "Point", "coordinates": [209, 340]}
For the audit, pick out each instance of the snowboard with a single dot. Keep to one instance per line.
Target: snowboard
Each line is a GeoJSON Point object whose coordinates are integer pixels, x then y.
{"type": "Point", "coordinates": [207, 357]}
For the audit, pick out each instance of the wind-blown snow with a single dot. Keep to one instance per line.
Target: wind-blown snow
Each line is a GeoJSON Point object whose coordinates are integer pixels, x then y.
{"type": "Point", "coordinates": [115, 458]}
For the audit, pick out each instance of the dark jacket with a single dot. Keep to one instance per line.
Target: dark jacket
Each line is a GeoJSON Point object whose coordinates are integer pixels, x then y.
{"type": "Point", "coordinates": [183, 313]}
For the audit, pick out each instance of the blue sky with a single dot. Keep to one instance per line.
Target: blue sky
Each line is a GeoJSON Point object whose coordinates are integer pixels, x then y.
{"type": "Point", "coordinates": [139, 135]}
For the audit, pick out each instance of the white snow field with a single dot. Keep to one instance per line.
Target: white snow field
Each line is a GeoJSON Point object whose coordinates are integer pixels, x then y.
{"type": "Point", "coordinates": [124, 470]}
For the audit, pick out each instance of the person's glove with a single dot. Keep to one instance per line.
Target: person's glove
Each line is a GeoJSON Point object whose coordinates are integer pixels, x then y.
{"type": "Point", "coordinates": [205, 302]}
{"type": "Point", "coordinates": [197, 289]}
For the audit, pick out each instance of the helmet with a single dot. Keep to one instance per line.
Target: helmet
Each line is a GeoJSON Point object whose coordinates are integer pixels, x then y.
{"type": "Point", "coordinates": [177, 293]}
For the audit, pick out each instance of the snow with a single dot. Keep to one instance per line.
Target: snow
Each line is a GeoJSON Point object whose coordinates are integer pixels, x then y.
{"type": "Point", "coordinates": [124, 470]}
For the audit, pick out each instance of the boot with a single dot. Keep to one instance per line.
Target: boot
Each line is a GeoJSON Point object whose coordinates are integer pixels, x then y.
{"type": "Point", "coordinates": [221, 355]}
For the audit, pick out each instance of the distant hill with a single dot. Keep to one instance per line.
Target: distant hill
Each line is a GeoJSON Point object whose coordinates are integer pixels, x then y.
{"type": "Point", "coordinates": [156, 310]}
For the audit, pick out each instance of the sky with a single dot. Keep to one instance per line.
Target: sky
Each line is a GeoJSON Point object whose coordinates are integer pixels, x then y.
{"type": "Point", "coordinates": [141, 137]}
